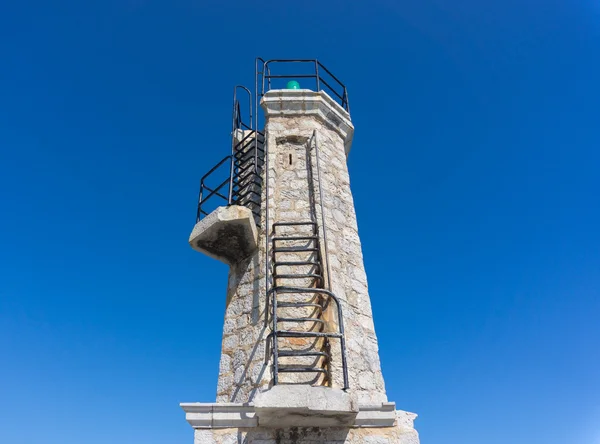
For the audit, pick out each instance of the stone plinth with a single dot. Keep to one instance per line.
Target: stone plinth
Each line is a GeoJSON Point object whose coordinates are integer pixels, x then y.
{"type": "Point", "coordinates": [230, 423]}
{"type": "Point", "coordinates": [227, 234]}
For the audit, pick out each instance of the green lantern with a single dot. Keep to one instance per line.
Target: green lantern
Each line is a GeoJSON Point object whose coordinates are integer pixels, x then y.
{"type": "Point", "coordinates": [292, 84]}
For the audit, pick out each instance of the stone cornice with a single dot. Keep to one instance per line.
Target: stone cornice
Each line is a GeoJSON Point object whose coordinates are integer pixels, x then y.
{"type": "Point", "coordinates": [304, 102]}
{"type": "Point", "coordinates": [219, 415]}
{"type": "Point", "coordinates": [231, 415]}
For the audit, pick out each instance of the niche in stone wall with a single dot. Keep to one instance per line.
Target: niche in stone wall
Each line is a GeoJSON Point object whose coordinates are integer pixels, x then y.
{"type": "Point", "coordinates": [291, 152]}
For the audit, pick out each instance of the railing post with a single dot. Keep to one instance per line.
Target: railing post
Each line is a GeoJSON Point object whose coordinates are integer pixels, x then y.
{"type": "Point", "coordinates": [346, 100]}
{"type": "Point", "coordinates": [231, 170]}
{"type": "Point", "coordinates": [199, 202]}
{"type": "Point", "coordinates": [317, 74]}
{"type": "Point", "coordinates": [275, 343]}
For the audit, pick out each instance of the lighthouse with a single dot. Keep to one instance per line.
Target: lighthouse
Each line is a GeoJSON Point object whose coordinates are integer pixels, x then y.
{"type": "Point", "coordinates": [299, 360]}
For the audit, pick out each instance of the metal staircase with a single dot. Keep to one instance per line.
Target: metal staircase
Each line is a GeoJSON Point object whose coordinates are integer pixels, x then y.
{"type": "Point", "coordinates": [247, 164]}
{"type": "Point", "coordinates": [241, 170]}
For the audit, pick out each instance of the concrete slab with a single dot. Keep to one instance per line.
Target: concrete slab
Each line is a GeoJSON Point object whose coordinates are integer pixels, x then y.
{"type": "Point", "coordinates": [304, 406]}
{"type": "Point", "coordinates": [228, 234]}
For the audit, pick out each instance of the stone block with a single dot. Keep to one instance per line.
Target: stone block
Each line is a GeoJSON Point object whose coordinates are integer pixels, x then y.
{"type": "Point", "coordinates": [228, 234]}
{"type": "Point", "coordinates": [304, 406]}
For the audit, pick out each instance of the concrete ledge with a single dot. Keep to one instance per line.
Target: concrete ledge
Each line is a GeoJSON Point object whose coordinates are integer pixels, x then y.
{"type": "Point", "coordinates": [228, 234]}
{"type": "Point", "coordinates": [219, 415]}
{"type": "Point", "coordinates": [304, 102]}
{"type": "Point", "coordinates": [231, 415]}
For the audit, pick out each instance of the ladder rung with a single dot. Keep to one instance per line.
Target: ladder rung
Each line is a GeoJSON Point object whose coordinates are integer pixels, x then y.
{"type": "Point", "coordinates": [284, 289]}
{"type": "Point", "coordinates": [294, 249]}
{"type": "Point", "coordinates": [244, 192]}
{"type": "Point", "coordinates": [245, 156]}
{"type": "Point", "coordinates": [241, 170]}
{"type": "Point", "coordinates": [296, 263]}
{"type": "Point", "coordinates": [288, 224]}
{"type": "Point", "coordinates": [300, 353]}
{"type": "Point", "coordinates": [242, 185]}
{"type": "Point", "coordinates": [298, 305]}
{"type": "Point", "coordinates": [282, 238]}
{"type": "Point", "coordinates": [305, 334]}
{"type": "Point", "coordinates": [297, 276]}
{"type": "Point", "coordinates": [321, 321]}
{"type": "Point", "coordinates": [283, 369]}
{"type": "Point", "coordinates": [244, 149]}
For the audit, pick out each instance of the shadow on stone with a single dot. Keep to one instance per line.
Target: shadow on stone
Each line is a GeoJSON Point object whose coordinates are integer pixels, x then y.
{"type": "Point", "coordinates": [228, 234]}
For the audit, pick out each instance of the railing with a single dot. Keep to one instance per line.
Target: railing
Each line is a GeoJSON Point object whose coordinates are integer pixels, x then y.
{"type": "Point", "coordinates": [314, 70]}
{"type": "Point", "coordinates": [236, 177]}
{"type": "Point", "coordinates": [300, 255]}
{"type": "Point", "coordinates": [204, 188]}
{"type": "Point", "coordinates": [237, 122]}
{"type": "Point", "coordinates": [241, 165]}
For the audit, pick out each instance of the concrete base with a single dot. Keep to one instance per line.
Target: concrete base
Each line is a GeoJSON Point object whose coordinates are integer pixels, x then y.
{"type": "Point", "coordinates": [228, 234]}
{"type": "Point", "coordinates": [238, 424]}
{"type": "Point", "coordinates": [230, 423]}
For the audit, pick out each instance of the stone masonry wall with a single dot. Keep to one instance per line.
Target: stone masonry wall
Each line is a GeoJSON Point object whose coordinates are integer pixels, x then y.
{"type": "Point", "coordinates": [245, 363]}
{"type": "Point", "coordinates": [348, 276]}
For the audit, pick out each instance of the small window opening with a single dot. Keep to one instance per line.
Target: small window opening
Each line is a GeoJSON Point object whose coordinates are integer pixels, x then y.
{"type": "Point", "coordinates": [290, 158]}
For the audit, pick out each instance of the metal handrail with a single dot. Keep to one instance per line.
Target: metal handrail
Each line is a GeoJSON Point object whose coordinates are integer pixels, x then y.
{"type": "Point", "coordinates": [339, 90]}
{"type": "Point", "coordinates": [327, 294]}
{"type": "Point", "coordinates": [237, 163]}
{"type": "Point", "coordinates": [341, 335]}
{"type": "Point", "coordinates": [237, 122]}
{"type": "Point", "coordinates": [202, 199]}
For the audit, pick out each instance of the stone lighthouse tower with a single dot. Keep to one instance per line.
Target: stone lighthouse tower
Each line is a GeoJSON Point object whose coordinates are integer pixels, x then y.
{"type": "Point", "coordinates": [300, 361]}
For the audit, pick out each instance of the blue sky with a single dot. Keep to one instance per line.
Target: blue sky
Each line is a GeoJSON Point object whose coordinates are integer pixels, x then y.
{"type": "Point", "coordinates": [476, 134]}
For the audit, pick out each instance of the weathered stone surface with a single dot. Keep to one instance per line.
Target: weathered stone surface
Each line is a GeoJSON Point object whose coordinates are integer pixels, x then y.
{"type": "Point", "coordinates": [311, 105]}
{"type": "Point", "coordinates": [211, 415]}
{"type": "Point", "coordinates": [303, 405]}
{"type": "Point", "coordinates": [227, 234]}
{"type": "Point", "coordinates": [292, 119]}
{"type": "Point", "coordinates": [308, 435]}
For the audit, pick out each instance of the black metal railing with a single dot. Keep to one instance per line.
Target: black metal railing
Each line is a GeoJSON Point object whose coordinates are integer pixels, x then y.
{"type": "Point", "coordinates": [207, 192]}
{"type": "Point", "coordinates": [321, 78]}
{"type": "Point", "coordinates": [236, 179]}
